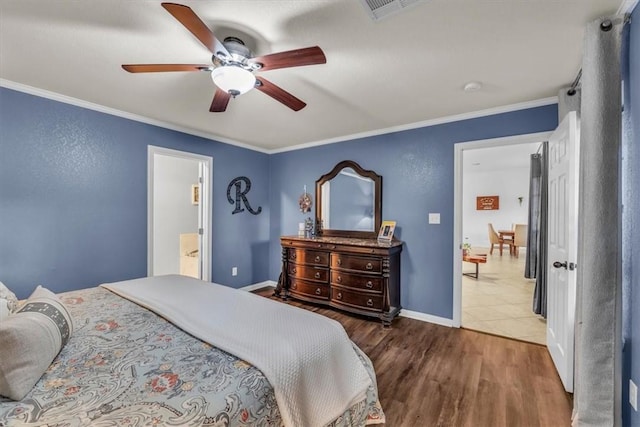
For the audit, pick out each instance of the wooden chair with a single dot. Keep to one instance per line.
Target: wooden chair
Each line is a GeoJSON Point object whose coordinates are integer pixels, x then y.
{"type": "Point", "coordinates": [508, 240]}
{"type": "Point", "coordinates": [495, 239]}
{"type": "Point", "coordinates": [519, 239]}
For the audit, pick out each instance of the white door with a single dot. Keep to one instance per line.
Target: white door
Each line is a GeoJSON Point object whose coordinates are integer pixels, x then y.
{"type": "Point", "coordinates": [203, 218]}
{"type": "Point", "coordinates": [563, 244]}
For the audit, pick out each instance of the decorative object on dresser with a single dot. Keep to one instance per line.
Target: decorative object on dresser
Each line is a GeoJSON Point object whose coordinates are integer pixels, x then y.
{"type": "Point", "coordinates": [346, 267]}
{"type": "Point", "coordinates": [305, 201]}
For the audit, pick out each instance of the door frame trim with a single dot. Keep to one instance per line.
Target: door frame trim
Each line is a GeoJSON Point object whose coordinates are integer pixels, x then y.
{"type": "Point", "coordinates": [457, 205]}
{"type": "Point", "coordinates": [206, 198]}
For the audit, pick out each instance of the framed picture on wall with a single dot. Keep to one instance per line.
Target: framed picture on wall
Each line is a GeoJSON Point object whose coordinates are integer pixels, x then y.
{"type": "Point", "coordinates": [487, 203]}
{"type": "Point", "coordinates": [385, 235]}
{"type": "Point", "coordinates": [195, 194]}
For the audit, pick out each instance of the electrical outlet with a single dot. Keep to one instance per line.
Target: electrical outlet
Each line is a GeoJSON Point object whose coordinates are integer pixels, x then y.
{"type": "Point", "coordinates": [234, 271]}
{"type": "Point", "coordinates": [633, 395]}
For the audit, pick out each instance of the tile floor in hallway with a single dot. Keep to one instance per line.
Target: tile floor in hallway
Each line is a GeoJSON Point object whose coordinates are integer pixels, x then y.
{"type": "Point", "coordinates": [499, 301]}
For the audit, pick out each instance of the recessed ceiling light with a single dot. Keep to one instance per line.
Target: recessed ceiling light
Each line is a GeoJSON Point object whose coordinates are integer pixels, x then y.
{"type": "Point", "coordinates": [472, 87]}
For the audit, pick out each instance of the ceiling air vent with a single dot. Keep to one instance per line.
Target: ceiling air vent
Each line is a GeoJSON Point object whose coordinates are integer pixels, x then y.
{"type": "Point", "coordinates": [379, 9]}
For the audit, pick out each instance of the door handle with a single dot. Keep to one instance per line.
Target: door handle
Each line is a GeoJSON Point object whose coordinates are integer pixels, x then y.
{"type": "Point", "coordinates": [559, 264]}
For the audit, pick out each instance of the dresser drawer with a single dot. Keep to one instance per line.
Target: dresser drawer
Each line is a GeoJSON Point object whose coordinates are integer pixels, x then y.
{"type": "Point", "coordinates": [356, 263]}
{"type": "Point", "coordinates": [310, 273]}
{"type": "Point", "coordinates": [314, 290]}
{"type": "Point", "coordinates": [304, 256]}
{"type": "Point", "coordinates": [365, 301]}
{"type": "Point", "coordinates": [356, 281]}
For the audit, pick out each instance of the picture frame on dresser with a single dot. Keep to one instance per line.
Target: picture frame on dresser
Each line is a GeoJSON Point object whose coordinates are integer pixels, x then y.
{"type": "Point", "coordinates": [385, 235]}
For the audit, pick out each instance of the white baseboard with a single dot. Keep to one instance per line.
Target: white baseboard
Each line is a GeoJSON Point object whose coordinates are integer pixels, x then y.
{"type": "Point", "coordinates": [266, 283]}
{"type": "Point", "coordinates": [426, 317]}
{"type": "Point", "coordinates": [404, 313]}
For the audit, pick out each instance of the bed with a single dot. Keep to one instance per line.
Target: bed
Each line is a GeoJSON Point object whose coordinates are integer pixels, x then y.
{"type": "Point", "coordinates": [125, 365]}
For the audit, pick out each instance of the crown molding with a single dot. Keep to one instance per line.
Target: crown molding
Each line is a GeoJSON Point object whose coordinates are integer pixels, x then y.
{"type": "Point", "coordinates": [426, 123]}
{"type": "Point", "coordinates": [119, 113]}
{"type": "Point", "coordinates": [126, 115]}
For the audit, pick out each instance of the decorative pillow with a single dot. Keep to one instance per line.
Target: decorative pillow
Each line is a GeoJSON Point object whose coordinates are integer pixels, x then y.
{"type": "Point", "coordinates": [6, 294]}
{"type": "Point", "coordinates": [29, 341]}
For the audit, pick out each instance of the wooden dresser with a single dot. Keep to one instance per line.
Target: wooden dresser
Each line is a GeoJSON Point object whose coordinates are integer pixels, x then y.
{"type": "Point", "coordinates": [356, 275]}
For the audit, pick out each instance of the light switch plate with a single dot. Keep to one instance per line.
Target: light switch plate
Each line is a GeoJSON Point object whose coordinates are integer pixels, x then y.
{"type": "Point", "coordinates": [434, 218]}
{"type": "Point", "coordinates": [633, 395]}
{"type": "Point", "coordinates": [234, 271]}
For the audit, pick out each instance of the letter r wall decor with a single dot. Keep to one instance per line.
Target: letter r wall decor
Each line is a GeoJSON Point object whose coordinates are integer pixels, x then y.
{"type": "Point", "coordinates": [241, 195]}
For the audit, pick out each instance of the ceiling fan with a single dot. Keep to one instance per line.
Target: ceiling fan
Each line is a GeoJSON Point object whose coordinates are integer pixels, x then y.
{"type": "Point", "coordinates": [233, 64]}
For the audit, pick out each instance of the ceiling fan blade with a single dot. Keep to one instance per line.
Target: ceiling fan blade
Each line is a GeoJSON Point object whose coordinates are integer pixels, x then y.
{"type": "Point", "coordinates": [279, 94]}
{"type": "Point", "coordinates": [156, 68]}
{"type": "Point", "coordinates": [220, 101]}
{"type": "Point", "coordinates": [291, 58]}
{"type": "Point", "coordinates": [193, 23]}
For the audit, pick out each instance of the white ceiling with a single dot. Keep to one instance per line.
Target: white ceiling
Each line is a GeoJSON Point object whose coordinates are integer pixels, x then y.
{"type": "Point", "coordinates": [516, 156]}
{"type": "Point", "coordinates": [402, 70]}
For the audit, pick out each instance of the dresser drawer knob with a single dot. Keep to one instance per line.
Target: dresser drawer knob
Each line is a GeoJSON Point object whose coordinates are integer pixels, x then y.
{"type": "Point", "coordinates": [339, 296]}
{"type": "Point", "coordinates": [318, 291]}
{"type": "Point", "coordinates": [317, 258]}
{"type": "Point", "coordinates": [317, 275]}
{"type": "Point", "coordinates": [369, 266]}
{"type": "Point", "coordinates": [369, 284]}
{"type": "Point", "coordinates": [339, 261]}
{"type": "Point", "coordinates": [370, 302]}
{"type": "Point", "coordinates": [293, 255]}
{"type": "Point", "coordinates": [294, 286]}
{"type": "Point", "coordinates": [294, 270]}
{"type": "Point", "coordinates": [339, 279]}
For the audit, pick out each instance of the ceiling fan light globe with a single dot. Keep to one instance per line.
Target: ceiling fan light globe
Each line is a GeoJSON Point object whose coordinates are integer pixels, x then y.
{"type": "Point", "coordinates": [232, 79]}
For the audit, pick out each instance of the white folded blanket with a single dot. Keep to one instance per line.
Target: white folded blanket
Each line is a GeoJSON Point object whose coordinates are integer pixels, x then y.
{"type": "Point", "coordinates": [308, 359]}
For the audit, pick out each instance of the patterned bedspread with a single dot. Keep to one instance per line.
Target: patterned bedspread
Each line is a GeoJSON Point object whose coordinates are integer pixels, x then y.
{"type": "Point", "coordinates": [125, 366]}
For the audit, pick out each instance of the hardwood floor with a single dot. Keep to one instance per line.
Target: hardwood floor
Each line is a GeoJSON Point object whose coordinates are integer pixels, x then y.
{"type": "Point", "coordinates": [431, 375]}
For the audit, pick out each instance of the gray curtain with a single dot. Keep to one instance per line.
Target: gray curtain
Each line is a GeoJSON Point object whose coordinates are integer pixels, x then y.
{"type": "Point", "coordinates": [597, 399]}
{"type": "Point", "coordinates": [569, 100]}
{"type": "Point", "coordinates": [536, 262]}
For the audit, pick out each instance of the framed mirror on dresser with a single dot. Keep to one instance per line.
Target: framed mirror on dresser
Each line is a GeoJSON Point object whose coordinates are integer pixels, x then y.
{"type": "Point", "coordinates": [344, 266]}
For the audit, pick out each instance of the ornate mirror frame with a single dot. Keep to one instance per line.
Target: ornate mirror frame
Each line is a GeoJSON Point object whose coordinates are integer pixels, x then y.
{"type": "Point", "coordinates": [377, 207]}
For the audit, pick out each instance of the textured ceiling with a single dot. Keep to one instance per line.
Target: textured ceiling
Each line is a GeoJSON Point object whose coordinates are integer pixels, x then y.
{"type": "Point", "coordinates": [404, 69]}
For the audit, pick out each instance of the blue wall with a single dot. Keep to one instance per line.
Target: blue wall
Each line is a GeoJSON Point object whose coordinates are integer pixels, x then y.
{"type": "Point", "coordinates": [631, 219]}
{"type": "Point", "coordinates": [73, 198]}
{"type": "Point", "coordinates": [417, 170]}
